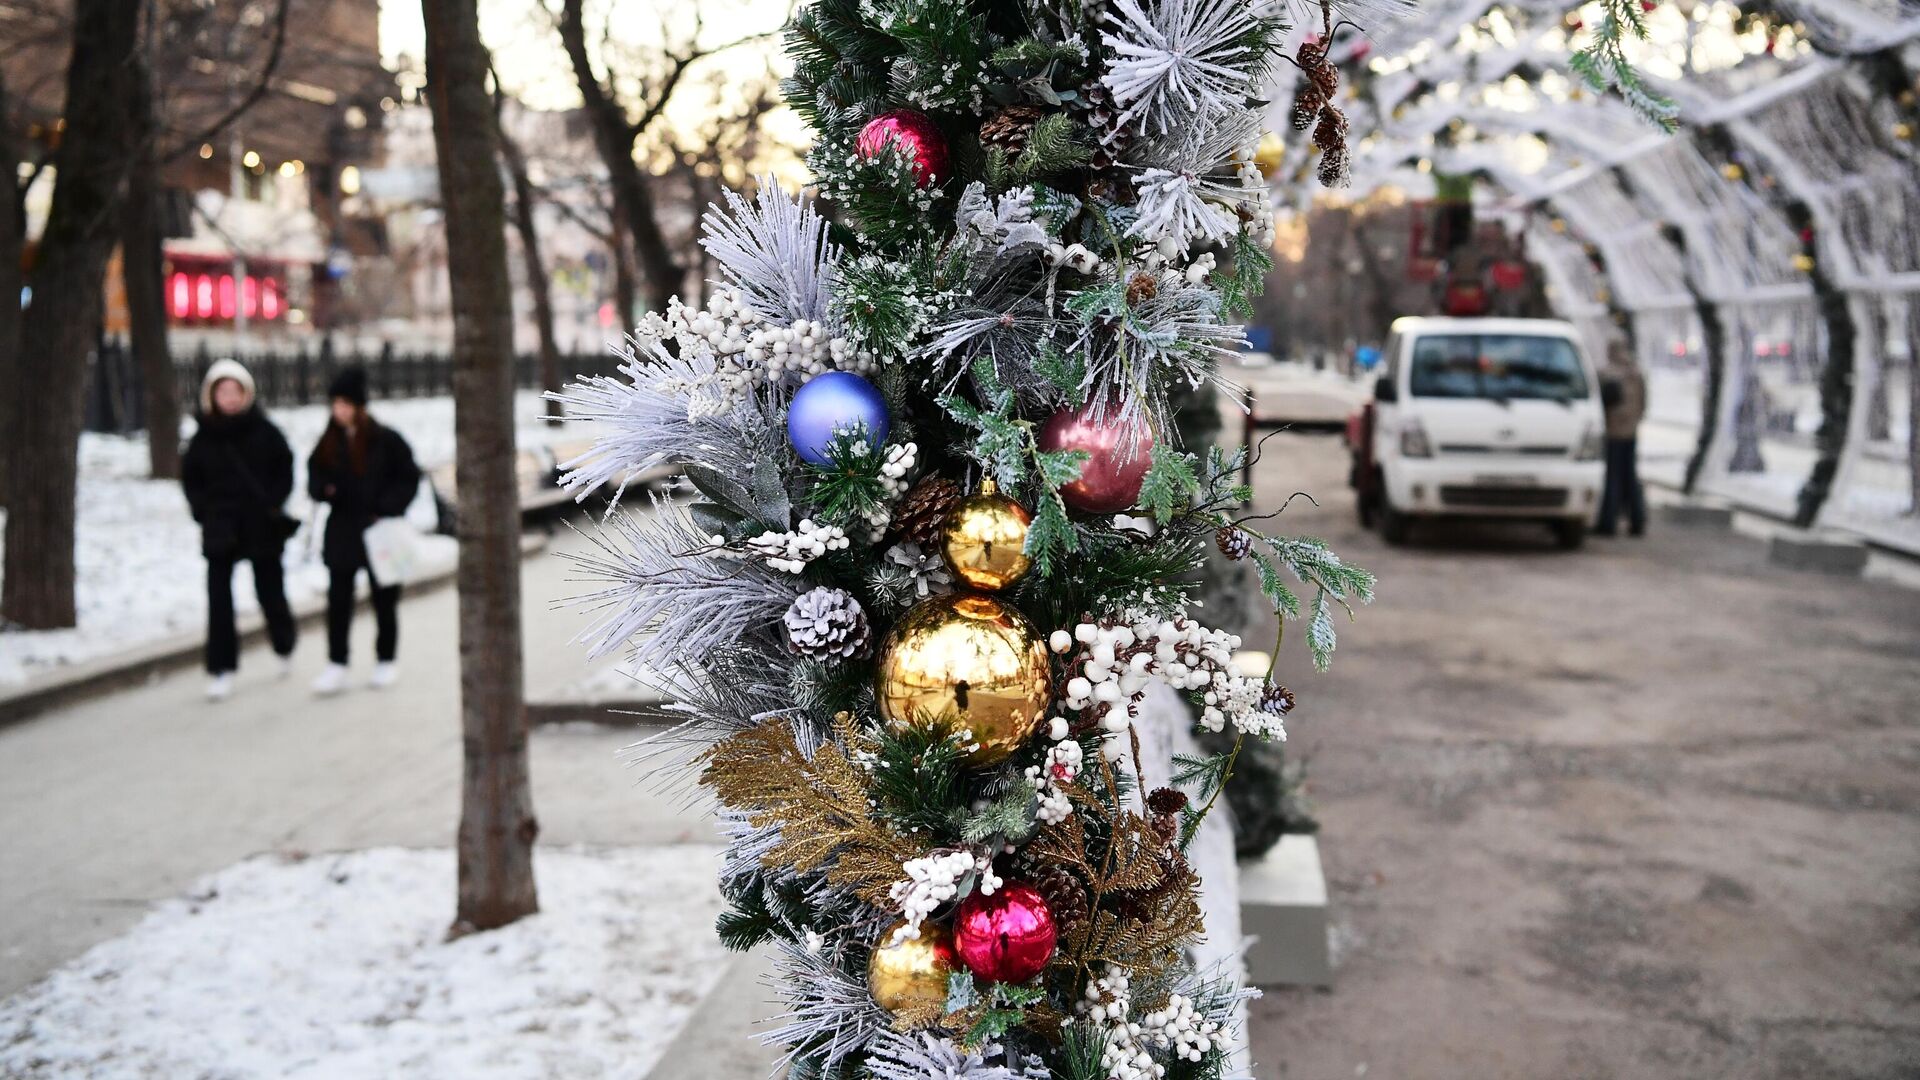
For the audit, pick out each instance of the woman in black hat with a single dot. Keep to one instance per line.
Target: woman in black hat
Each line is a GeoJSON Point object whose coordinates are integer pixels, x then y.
{"type": "Point", "coordinates": [365, 472]}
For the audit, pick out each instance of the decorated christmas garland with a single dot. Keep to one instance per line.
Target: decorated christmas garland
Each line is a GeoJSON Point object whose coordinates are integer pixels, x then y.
{"type": "Point", "coordinates": [942, 539]}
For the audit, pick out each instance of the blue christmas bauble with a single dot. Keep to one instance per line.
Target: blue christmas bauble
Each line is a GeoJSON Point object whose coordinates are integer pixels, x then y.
{"type": "Point", "coordinates": [832, 402]}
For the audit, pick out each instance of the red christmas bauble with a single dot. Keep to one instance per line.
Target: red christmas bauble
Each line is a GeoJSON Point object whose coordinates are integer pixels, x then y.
{"type": "Point", "coordinates": [1118, 455]}
{"type": "Point", "coordinates": [1007, 937]}
{"type": "Point", "coordinates": [916, 136]}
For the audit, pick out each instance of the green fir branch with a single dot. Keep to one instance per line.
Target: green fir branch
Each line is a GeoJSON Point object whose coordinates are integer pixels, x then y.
{"type": "Point", "coordinates": [1171, 482]}
{"type": "Point", "coordinates": [920, 778]}
{"type": "Point", "coordinates": [1603, 64]}
{"type": "Point", "coordinates": [848, 486]}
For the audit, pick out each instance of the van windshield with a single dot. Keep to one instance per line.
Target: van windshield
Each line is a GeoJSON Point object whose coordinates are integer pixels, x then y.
{"type": "Point", "coordinates": [1497, 366]}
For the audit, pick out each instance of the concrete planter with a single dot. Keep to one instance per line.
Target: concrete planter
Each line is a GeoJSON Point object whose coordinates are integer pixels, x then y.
{"type": "Point", "coordinates": [1283, 907]}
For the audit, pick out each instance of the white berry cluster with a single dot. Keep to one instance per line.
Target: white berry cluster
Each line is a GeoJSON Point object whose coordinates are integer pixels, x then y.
{"type": "Point", "coordinates": [1117, 658]}
{"type": "Point", "coordinates": [1061, 767]}
{"type": "Point", "coordinates": [745, 348]}
{"type": "Point", "coordinates": [1109, 1003]}
{"type": "Point", "coordinates": [1257, 211]}
{"type": "Point", "coordinates": [1075, 257]}
{"type": "Point", "coordinates": [931, 881]}
{"type": "Point", "coordinates": [804, 347]}
{"type": "Point", "coordinates": [1178, 1026]}
{"type": "Point", "coordinates": [899, 461]}
{"type": "Point", "coordinates": [792, 551]}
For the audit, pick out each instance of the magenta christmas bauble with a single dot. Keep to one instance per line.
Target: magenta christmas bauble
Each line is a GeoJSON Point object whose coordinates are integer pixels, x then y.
{"type": "Point", "coordinates": [916, 136]}
{"type": "Point", "coordinates": [1118, 455]}
{"type": "Point", "coordinates": [1006, 937]}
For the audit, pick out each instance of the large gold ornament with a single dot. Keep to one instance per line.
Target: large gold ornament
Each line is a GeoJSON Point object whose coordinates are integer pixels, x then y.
{"type": "Point", "coordinates": [985, 540]}
{"type": "Point", "coordinates": [914, 972]}
{"type": "Point", "coordinates": [1268, 155]}
{"type": "Point", "coordinates": [969, 661]}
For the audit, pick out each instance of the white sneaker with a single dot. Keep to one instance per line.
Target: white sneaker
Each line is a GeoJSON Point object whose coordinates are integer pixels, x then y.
{"type": "Point", "coordinates": [220, 687]}
{"type": "Point", "coordinates": [332, 680]}
{"type": "Point", "coordinates": [384, 675]}
{"type": "Point", "coordinates": [282, 666]}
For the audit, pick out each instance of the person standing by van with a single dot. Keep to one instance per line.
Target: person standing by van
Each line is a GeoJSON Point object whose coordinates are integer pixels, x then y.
{"type": "Point", "coordinates": [237, 472]}
{"type": "Point", "coordinates": [365, 472]}
{"type": "Point", "coordinates": [1623, 393]}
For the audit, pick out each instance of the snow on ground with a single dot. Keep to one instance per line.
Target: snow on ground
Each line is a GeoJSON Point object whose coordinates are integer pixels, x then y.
{"type": "Point", "coordinates": [335, 966]}
{"type": "Point", "coordinates": [141, 578]}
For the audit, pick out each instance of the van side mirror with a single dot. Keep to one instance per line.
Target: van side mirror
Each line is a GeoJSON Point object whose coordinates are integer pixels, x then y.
{"type": "Point", "coordinates": [1384, 389]}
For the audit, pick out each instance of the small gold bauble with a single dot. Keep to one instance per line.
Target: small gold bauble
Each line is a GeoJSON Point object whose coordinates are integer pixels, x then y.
{"type": "Point", "coordinates": [970, 662]}
{"type": "Point", "coordinates": [915, 971]}
{"type": "Point", "coordinates": [985, 540]}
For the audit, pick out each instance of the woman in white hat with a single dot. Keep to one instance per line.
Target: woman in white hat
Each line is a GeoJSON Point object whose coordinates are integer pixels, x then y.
{"type": "Point", "coordinates": [237, 473]}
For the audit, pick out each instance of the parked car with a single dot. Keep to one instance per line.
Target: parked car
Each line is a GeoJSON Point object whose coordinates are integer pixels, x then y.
{"type": "Point", "coordinates": [1495, 418]}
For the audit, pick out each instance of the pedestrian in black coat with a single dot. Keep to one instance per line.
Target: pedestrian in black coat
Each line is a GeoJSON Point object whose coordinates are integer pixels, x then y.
{"type": "Point", "coordinates": [237, 473]}
{"type": "Point", "coordinates": [365, 472]}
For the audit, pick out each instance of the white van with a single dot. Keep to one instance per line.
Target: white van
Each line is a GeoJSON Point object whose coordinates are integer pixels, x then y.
{"type": "Point", "coordinates": [1485, 418]}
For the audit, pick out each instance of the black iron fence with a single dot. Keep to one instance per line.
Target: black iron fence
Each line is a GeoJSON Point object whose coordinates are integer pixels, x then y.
{"type": "Point", "coordinates": [116, 400]}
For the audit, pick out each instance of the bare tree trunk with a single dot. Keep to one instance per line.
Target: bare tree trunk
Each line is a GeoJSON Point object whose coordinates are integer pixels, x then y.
{"type": "Point", "coordinates": [623, 284]}
{"type": "Point", "coordinates": [497, 826]}
{"type": "Point", "coordinates": [613, 135]}
{"type": "Point", "coordinates": [12, 242]}
{"type": "Point", "coordinates": [146, 319]}
{"type": "Point", "coordinates": [536, 271]}
{"type": "Point", "coordinates": [43, 441]}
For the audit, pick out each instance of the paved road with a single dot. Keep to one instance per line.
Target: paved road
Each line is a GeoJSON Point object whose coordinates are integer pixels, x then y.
{"type": "Point", "coordinates": [1651, 809]}
{"type": "Point", "coordinates": [112, 804]}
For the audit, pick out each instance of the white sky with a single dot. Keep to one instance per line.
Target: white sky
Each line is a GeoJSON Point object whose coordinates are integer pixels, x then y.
{"type": "Point", "coordinates": [527, 51]}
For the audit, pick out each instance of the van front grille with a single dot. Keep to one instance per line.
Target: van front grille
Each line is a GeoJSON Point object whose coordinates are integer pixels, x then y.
{"type": "Point", "coordinates": [1505, 498]}
{"type": "Point", "coordinates": [1518, 451]}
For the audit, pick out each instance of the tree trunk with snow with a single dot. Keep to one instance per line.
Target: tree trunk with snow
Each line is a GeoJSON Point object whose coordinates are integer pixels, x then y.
{"type": "Point", "coordinates": [497, 826]}
{"type": "Point", "coordinates": [12, 243]}
{"type": "Point", "coordinates": [62, 325]}
{"type": "Point", "coordinates": [146, 293]}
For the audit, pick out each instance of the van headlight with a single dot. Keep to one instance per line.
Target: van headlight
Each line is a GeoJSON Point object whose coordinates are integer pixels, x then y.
{"type": "Point", "coordinates": [1591, 445]}
{"type": "Point", "coordinates": [1413, 439]}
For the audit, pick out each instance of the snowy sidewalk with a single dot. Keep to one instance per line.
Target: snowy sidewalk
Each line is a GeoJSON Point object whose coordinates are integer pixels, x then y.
{"type": "Point", "coordinates": [115, 803]}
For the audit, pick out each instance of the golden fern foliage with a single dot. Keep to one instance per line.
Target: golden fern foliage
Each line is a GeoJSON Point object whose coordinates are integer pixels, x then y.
{"type": "Point", "coordinates": [820, 806]}
{"type": "Point", "coordinates": [1146, 905]}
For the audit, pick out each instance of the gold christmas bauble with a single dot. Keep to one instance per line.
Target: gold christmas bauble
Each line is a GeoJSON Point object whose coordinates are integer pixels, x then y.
{"type": "Point", "coordinates": [1268, 155]}
{"type": "Point", "coordinates": [970, 662]}
{"type": "Point", "coordinates": [915, 971]}
{"type": "Point", "coordinates": [985, 540]}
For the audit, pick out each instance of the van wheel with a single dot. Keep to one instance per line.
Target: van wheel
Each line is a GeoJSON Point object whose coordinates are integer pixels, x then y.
{"type": "Point", "coordinates": [1395, 526]}
{"type": "Point", "coordinates": [1569, 535]}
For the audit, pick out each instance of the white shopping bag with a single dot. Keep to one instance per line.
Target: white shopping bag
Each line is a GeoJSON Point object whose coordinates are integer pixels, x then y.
{"type": "Point", "coordinates": [392, 550]}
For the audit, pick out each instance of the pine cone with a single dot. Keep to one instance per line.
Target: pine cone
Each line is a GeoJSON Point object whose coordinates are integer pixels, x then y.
{"type": "Point", "coordinates": [1065, 896]}
{"type": "Point", "coordinates": [1233, 542]}
{"type": "Point", "coordinates": [1330, 135]}
{"type": "Point", "coordinates": [1141, 288]}
{"type": "Point", "coordinates": [922, 514]}
{"type": "Point", "coordinates": [826, 623]}
{"type": "Point", "coordinates": [1276, 699]}
{"type": "Point", "coordinates": [1163, 813]}
{"type": "Point", "coordinates": [1331, 131]}
{"type": "Point", "coordinates": [1093, 108]}
{"type": "Point", "coordinates": [1008, 129]}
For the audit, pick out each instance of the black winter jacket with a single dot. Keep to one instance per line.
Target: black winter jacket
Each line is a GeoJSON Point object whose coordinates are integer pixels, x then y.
{"type": "Point", "coordinates": [237, 472]}
{"type": "Point", "coordinates": [360, 498]}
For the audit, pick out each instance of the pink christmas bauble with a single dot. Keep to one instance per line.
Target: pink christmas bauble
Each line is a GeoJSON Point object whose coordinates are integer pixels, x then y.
{"type": "Point", "coordinates": [1007, 937]}
{"type": "Point", "coordinates": [1118, 455]}
{"type": "Point", "coordinates": [917, 137]}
